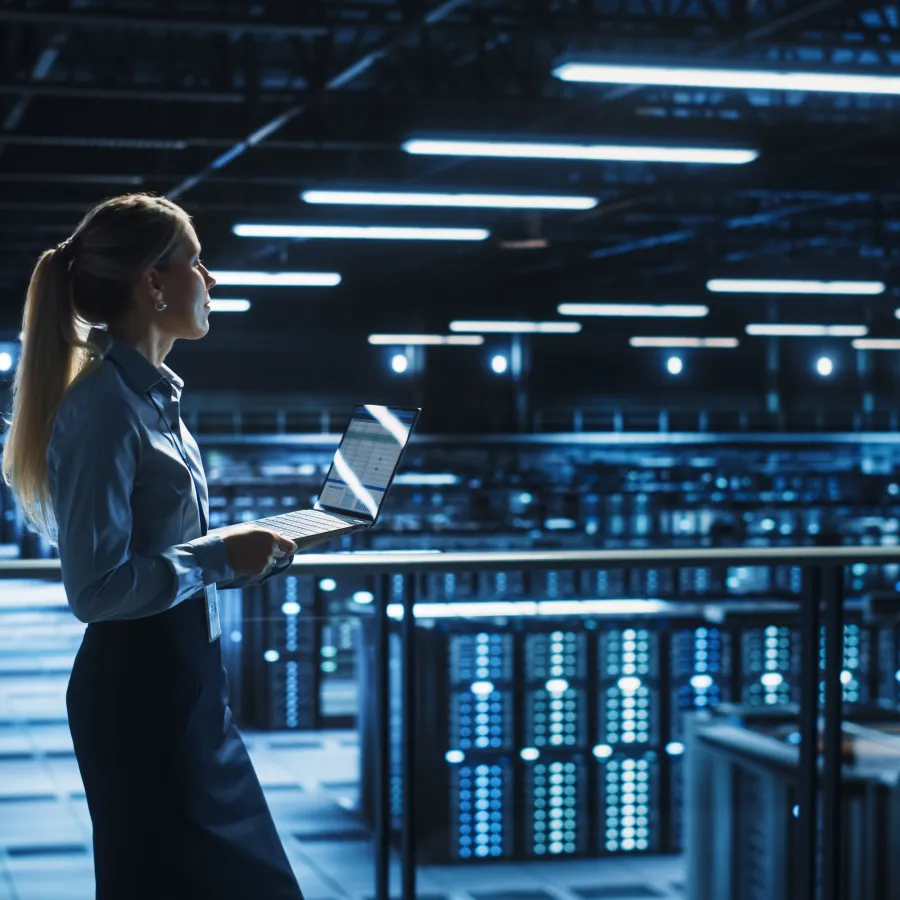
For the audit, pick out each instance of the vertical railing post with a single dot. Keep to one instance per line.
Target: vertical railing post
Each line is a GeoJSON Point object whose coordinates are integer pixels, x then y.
{"type": "Point", "coordinates": [382, 779]}
{"type": "Point", "coordinates": [834, 699]}
{"type": "Point", "coordinates": [807, 788]}
{"type": "Point", "coordinates": [408, 762]}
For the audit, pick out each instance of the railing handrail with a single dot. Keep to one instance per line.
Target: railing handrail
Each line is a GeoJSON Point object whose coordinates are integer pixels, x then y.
{"type": "Point", "coordinates": [567, 438]}
{"type": "Point", "coordinates": [375, 563]}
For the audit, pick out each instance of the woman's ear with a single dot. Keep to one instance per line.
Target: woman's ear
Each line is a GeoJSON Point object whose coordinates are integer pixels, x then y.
{"type": "Point", "coordinates": [147, 283]}
{"type": "Point", "coordinates": [154, 280]}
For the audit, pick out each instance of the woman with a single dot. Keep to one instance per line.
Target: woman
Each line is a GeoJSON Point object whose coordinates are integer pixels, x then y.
{"type": "Point", "coordinates": [102, 464]}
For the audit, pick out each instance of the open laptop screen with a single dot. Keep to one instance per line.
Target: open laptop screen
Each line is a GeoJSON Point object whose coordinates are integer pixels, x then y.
{"type": "Point", "coordinates": [366, 460]}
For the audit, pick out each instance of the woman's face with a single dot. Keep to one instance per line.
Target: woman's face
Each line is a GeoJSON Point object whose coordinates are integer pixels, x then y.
{"type": "Point", "coordinates": [185, 285]}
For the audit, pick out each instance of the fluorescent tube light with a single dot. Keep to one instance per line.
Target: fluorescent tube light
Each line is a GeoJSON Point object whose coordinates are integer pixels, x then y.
{"type": "Point", "coordinates": [876, 343]}
{"type": "Point", "coordinates": [712, 343]}
{"type": "Point", "coordinates": [526, 244]}
{"type": "Point", "coordinates": [229, 305]}
{"type": "Point", "coordinates": [277, 279]}
{"type": "Point", "coordinates": [529, 608]}
{"type": "Point", "coordinates": [633, 309]}
{"type": "Point", "coordinates": [747, 79]}
{"type": "Point", "coordinates": [422, 479]}
{"type": "Point", "coordinates": [791, 286]}
{"type": "Point", "coordinates": [516, 327]}
{"type": "Point", "coordinates": [426, 340]}
{"type": "Point", "coordinates": [777, 330]}
{"type": "Point", "coordinates": [594, 152]}
{"type": "Point", "coordinates": [473, 201]}
{"type": "Point", "coordinates": [362, 232]}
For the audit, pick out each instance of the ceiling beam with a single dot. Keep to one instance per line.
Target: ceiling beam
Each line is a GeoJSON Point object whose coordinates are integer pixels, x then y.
{"type": "Point", "coordinates": [87, 92]}
{"type": "Point", "coordinates": [154, 144]}
{"type": "Point", "coordinates": [340, 80]}
{"type": "Point", "coordinates": [343, 17]}
{"type": "Point", "coordinates": [121, 20]}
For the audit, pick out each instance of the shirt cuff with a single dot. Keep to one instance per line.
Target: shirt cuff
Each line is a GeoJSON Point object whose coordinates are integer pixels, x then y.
{"type": "Point", "coordinates": [206, 556]}
{"type": "Point", "coordinates": [242, 581]}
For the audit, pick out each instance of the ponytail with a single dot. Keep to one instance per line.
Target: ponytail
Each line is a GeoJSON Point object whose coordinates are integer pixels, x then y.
{"type": "Point", "coordinates": [54, 352]}
{"type": "Point", "coordinates": [88, 279]}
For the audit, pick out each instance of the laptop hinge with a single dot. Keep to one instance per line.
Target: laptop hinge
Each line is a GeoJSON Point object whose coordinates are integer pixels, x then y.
{"type": "Point", "coordinates": [342, 514]}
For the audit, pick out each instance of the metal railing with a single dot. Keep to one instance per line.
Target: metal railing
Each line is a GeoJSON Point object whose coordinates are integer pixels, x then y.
{"type": "Point", "coordinates": [821, 610]}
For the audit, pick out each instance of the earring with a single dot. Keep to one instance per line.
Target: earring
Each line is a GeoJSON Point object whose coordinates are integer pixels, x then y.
{"type": "Point", "coordinates": [160, 304]}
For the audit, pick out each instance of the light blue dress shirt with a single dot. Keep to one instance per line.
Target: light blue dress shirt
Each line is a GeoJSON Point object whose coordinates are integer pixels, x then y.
{"type": "Point", "coordinates": [129, 492]}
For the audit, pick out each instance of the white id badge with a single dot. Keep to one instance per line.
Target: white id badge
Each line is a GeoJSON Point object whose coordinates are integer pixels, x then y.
{"type": "Point", "coordinates": [213, 625]}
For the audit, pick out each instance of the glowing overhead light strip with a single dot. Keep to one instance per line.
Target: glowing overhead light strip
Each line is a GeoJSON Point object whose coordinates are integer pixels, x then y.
{"type": "Point", "coordinates": [877, 343]}
{"type": "Point", "coordinates": [791, 286]}
{"type": "Point", "coordinates": [747, 79]}
{"type": "Point", "coordinates": [438, 479]}
{"type": "Point", "coordinates": [278, 279]}
{"type": "Point", "coordinates": [633, 309]}
{"type": "Point", "coordinates": [427, 340]}
{"type": "Point", "coordinates": [229, 305]}
{"type": "Point", "coordinates": [473, 201]}
{"type": "Point", "coordinates": [590, 152]}
{"type": "Point", "coordinates": [516, 327]}
{"type": "Point", "coordinates": [525, 608]}
{"type": "Point", "coordinates": [361, 232]}
{"type": "Point", "coordinates": [777, 330]}
{"type": "Point", "coordinates": [712, 343]}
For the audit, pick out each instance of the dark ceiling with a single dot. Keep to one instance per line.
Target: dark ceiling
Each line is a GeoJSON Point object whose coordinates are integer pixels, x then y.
{"type": "Point", "coordinates": [233, 108]}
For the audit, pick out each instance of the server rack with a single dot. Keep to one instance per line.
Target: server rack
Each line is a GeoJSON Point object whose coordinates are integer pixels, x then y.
{"type": "Point", "coordinates": [550, 738]}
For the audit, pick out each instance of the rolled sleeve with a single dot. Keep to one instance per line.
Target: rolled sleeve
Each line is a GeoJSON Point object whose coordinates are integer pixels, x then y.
{"type": "Point", "coordinates": [92, 460]}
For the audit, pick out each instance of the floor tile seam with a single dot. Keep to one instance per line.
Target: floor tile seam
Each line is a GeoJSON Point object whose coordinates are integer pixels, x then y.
{"type": "Point", "coordinates": [62, 793]}
{"type": "Point", "coordinates": [323, 876]}
{"type": "Point", "coordinates": [6, 875]}
{"type": "Point", "coordinates": [557, 892]}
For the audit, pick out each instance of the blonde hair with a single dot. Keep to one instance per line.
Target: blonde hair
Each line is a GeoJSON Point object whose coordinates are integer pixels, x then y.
{"type": "Point", "coordinates": [87, 280]}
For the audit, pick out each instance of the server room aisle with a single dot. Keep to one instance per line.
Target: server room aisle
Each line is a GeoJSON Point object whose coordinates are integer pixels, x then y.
{"type": "Point", "coordinates": [310, 779]}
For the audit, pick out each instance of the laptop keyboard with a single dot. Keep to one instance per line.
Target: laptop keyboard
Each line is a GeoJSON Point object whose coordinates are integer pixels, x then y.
{"type": "Point", "coordinates": [303, 523]}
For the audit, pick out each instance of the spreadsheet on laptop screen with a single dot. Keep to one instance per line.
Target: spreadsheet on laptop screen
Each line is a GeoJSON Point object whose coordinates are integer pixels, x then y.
{"type": "Point", "coordinates": [366, 460]}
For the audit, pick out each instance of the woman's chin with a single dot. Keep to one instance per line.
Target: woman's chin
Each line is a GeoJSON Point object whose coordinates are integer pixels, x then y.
{"type": "Point", "coordinates": [201, 327]}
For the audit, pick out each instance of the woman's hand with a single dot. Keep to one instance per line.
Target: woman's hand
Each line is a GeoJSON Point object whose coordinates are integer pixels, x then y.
{"type": "Point", "coordinates": [253, 550]}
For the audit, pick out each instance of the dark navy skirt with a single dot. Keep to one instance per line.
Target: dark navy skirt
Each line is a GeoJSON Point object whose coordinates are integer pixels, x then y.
{"type": "Point", "coordinates": [176, 806]}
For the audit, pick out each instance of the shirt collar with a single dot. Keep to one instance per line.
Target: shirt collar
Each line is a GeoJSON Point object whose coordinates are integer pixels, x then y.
{"type": "Point", "coordinates": [139, 373]}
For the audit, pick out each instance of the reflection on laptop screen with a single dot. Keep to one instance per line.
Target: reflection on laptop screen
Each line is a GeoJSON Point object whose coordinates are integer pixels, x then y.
{"type": "Point", "coordinates": [366, 460]}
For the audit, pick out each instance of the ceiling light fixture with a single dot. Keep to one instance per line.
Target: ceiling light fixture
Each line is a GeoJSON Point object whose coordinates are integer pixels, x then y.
{"type": "Point", "coordinates": [426, 340]}
{"type": "Point", "coordinates": [499, 364]}
{"type": "Point", "coordinates": [493, 327]}
{"type": "Point", "coordinates": [467, 201]}
{"type": "Point", "coordinates": [277, 279]}
{"type": "Point", "coordinates": [633, 309]}
{"type": "Point", "coordinates": [589, 152]}
{"type": "Point", "coordinates": [876, 344]}
{"type": "Point", "coordinates": [711, 343]}
{"type": "Point", "coordinates": [791, 286]}
{"type": "Point", "coordinates": [777, 330]}
{"type": "Point", "coordinates": [739, 79]}
{"type": "Point", "coordinates": [217, 305]}
{"type": "Point", "coordinates": [361, 232]}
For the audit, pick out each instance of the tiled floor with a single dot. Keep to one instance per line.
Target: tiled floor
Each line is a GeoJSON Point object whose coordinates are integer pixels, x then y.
{"type": "Point", "coordinates": [310, 781]}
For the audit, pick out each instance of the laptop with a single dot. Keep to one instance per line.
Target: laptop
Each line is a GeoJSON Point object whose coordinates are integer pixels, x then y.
{"type": "Point", "coordinates": [361, 473]}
